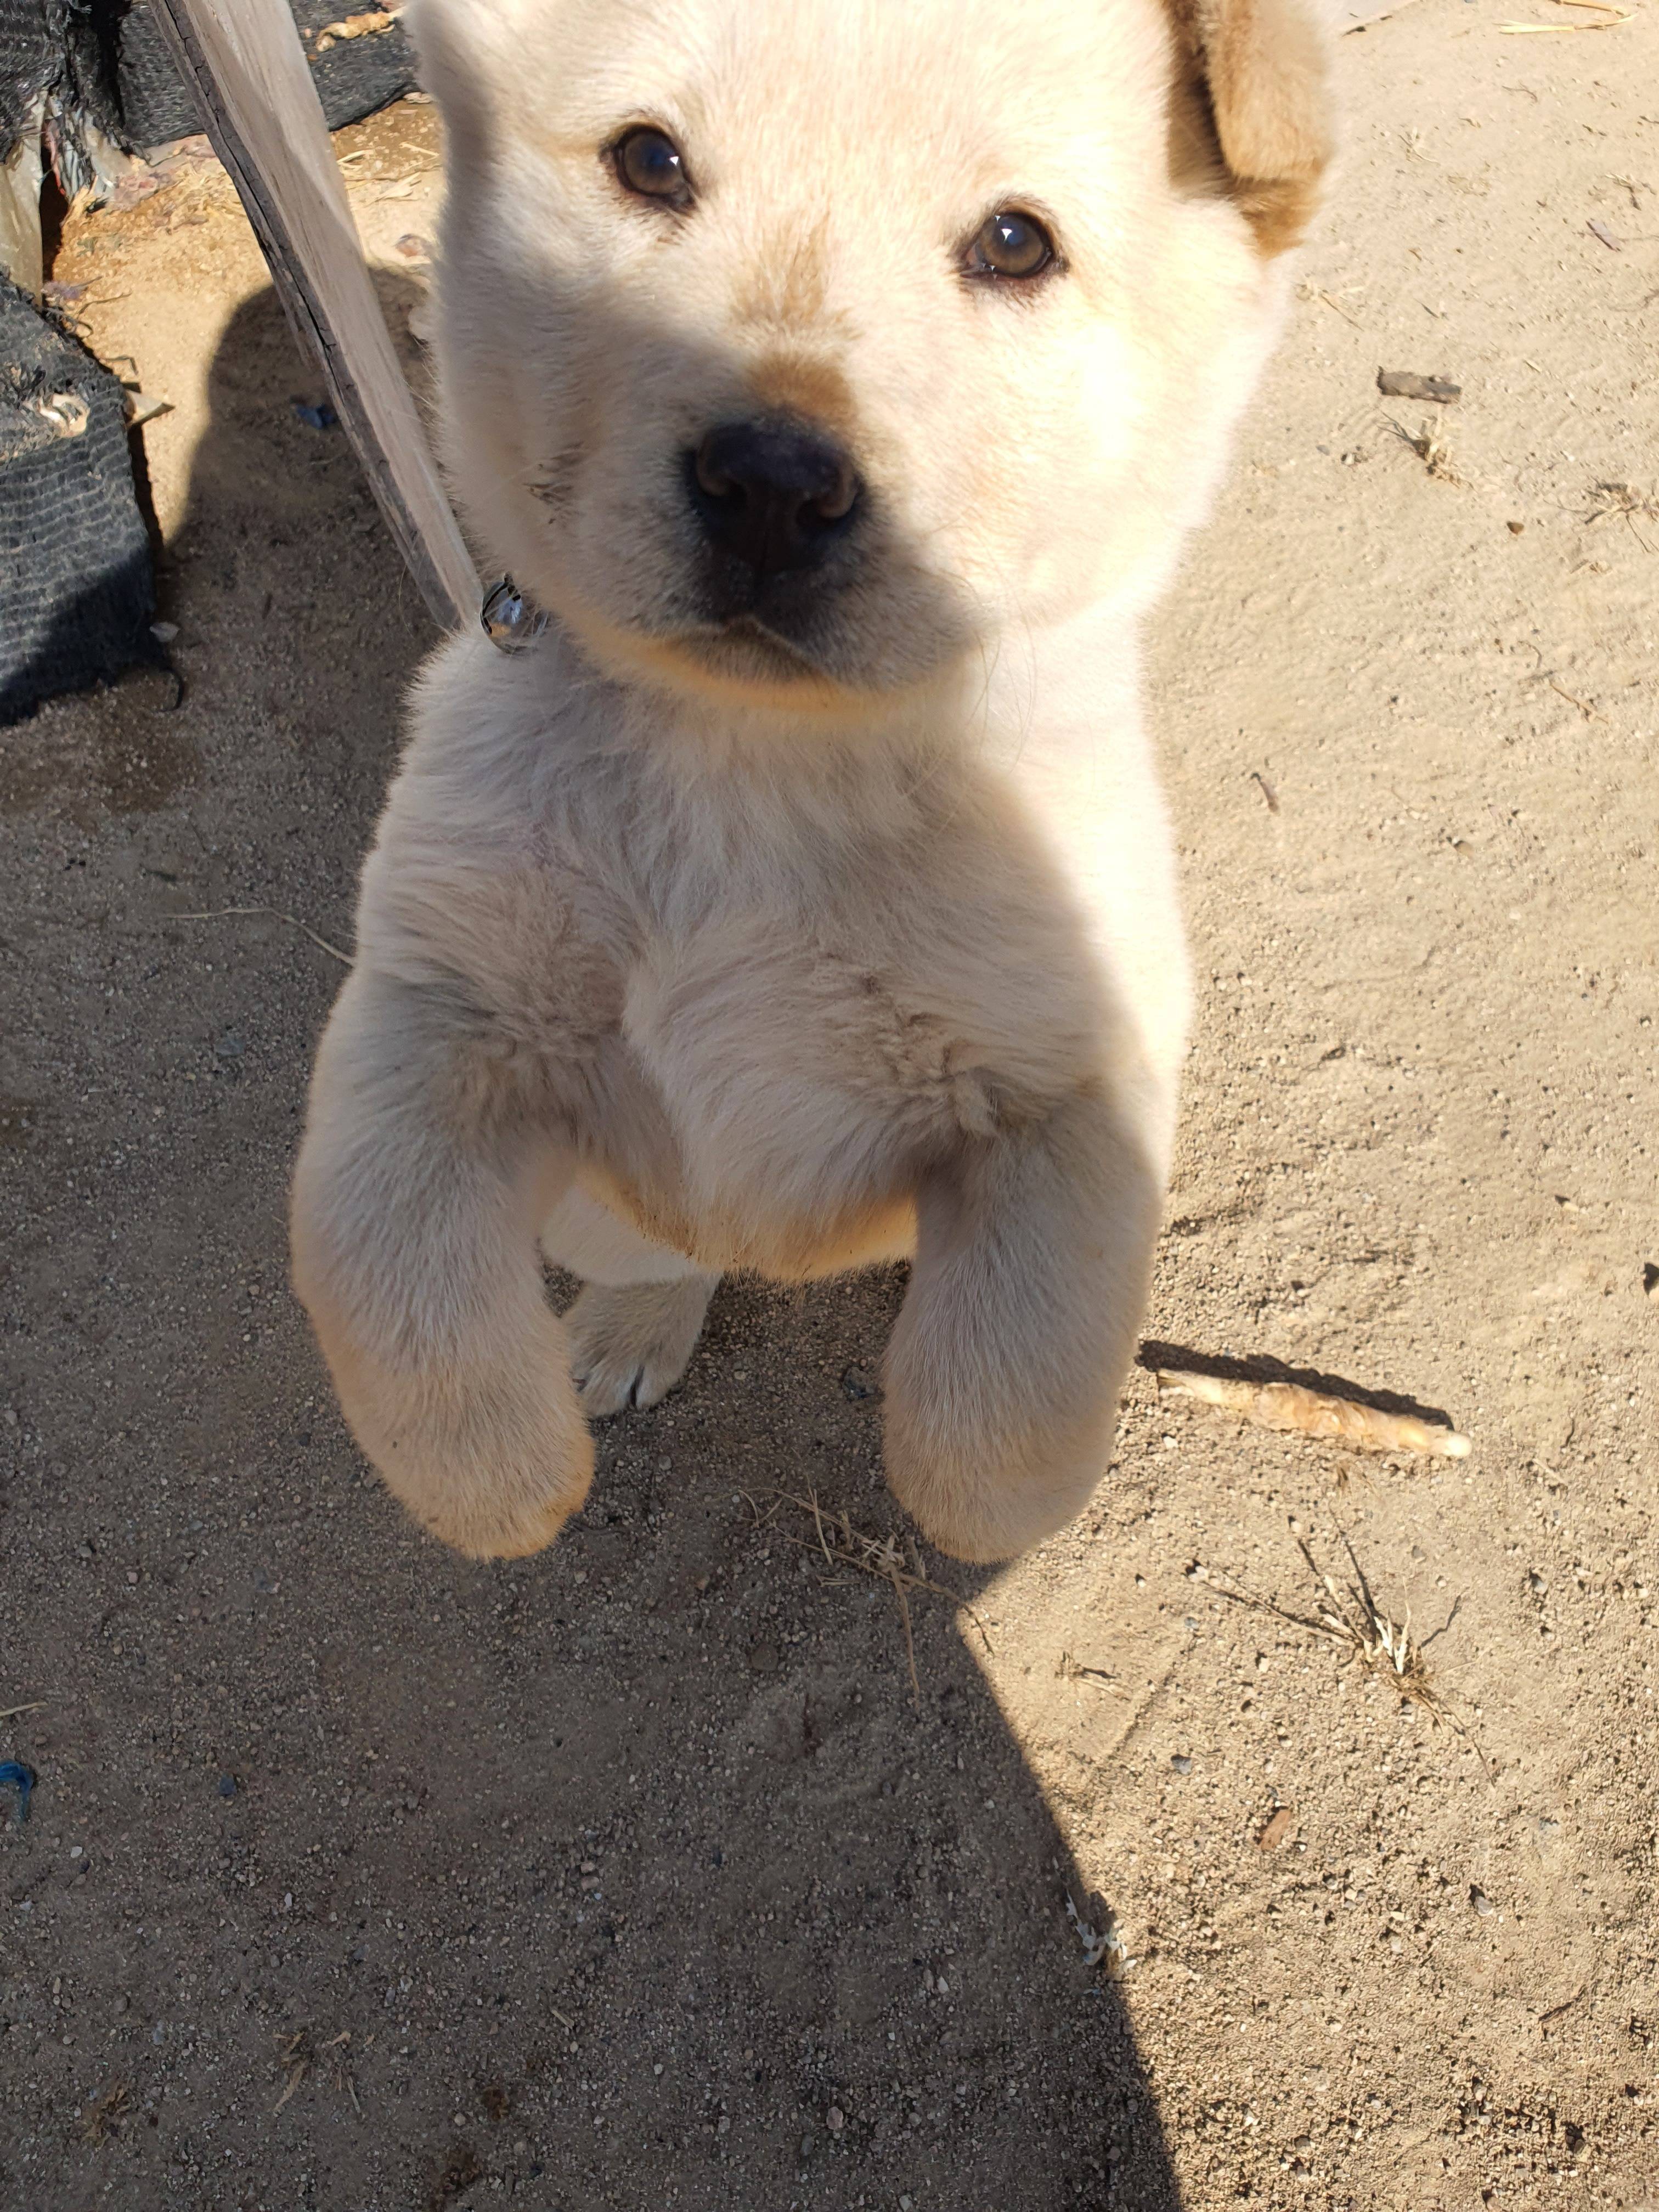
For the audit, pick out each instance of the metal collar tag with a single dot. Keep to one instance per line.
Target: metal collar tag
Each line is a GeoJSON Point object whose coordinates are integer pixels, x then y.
{"type": "Point", "coordinates": [511, 622]}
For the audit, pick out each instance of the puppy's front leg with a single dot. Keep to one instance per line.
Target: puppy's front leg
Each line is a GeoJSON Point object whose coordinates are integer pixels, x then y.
{"type": "Point", "coordinates": [1033, 1253]}
{"type": "Point", "coordinates": [421, 1187]}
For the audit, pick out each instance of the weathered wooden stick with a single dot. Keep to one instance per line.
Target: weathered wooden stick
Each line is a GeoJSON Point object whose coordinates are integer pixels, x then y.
{"type": "Point", "coordinates": [244, 62]}
{"type": "Point", "coordinates": [1287, 1408]}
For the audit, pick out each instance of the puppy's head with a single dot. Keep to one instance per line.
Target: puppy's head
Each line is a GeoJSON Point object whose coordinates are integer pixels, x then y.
{"type": "Point", "coordinates": [798, 349]}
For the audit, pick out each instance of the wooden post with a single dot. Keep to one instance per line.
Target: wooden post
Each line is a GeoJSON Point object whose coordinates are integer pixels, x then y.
{"type": "Point", "coordinates": [244, 63]}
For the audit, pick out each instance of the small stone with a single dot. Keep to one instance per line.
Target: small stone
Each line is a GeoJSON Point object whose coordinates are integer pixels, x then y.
{"type": "Point", "coordinates": [230, 1046]}
{"type": "Point", "coordinates": [1482, 1904]}
{"type": "Point", "coordinates": [132, 1575]}
{"type": "Point", "coordinates": [835, 2119]}
{"type": "Point", "coordinates": [1276, 1830]}
{"type": "Point", "coordinates": [857, 1385]}
{"type": "Point", "coordinates": [763, 1657]}
{"type": "Point", "coordinates": [226, 1785]}
{"type": "Point", "coordinates": [1182, 1764]}
{"type": "Point", "coordinates": [806, 2145]}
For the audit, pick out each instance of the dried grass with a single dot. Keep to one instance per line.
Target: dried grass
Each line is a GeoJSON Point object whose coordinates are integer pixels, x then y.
{"type": "Point", "coordinates": [1349, 1617]}
{"type": "Point", "coordinates": [1621, 499]}
{"type": "Point", "coordinates": [1430, 448]}
{"type": "Point", "coordinates": [300, 2056]}
{"type": "Point", "coordinates": [1101, 1946]}
{"type": "Point", "coordinates": [104, 2116]}
{"type": "Point", "coordinates": [841, 1545]}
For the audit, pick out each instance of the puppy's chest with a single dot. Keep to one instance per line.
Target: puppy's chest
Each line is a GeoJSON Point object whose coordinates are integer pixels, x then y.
{"type": "Point", "coordinates": [837, 1057]}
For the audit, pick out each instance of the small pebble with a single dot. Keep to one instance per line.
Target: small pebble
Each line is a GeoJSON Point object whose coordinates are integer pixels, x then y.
{"type": "Point", "coordinates": [835, 2119]}
{"type": "Point", "coordinates": [226, 1785]}
{"type": "Point", "coordinates": [857, 1385]}
{"type": "Point", "coordinates": [1482, 1904]}
{"type": "Point", "coordinates": [1182, 1764]}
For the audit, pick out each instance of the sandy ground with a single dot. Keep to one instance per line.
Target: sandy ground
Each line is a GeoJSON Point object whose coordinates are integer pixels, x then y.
{"type": "Point", "coordinates": [359, 1877]}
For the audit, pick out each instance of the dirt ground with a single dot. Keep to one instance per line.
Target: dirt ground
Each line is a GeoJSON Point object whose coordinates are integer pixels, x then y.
{"type": "Point", "coordinates": [358, 1878]}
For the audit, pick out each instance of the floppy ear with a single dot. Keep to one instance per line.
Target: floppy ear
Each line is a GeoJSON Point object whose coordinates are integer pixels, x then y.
{"type": "Point", "coordinates": [1261, 67]}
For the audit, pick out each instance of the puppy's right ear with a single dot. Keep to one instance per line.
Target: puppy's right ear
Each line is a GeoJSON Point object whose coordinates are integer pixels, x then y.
{"type": "Point", "coordinates": [1261, 67]}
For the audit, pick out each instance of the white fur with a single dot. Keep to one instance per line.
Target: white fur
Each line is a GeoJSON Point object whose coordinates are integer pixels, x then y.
{"type": "Point", "coordinates": [702, 954]}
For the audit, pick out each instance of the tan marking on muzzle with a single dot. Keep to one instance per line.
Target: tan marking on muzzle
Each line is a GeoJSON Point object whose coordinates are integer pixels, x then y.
{"type": "Point", "coordinates": [795, 384]}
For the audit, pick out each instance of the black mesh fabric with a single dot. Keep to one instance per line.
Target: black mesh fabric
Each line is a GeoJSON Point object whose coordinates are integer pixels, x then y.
{"type": "Point", "coordinates": [353, 78]}
{"type": "Point", "coordinates": [65, 49]}
{"type": "Point", "coordinates": [105, 62]}
{"type": "Point", "coordinates": [31, 58]}
{"type": "Point", "coordinates": [77, 591]}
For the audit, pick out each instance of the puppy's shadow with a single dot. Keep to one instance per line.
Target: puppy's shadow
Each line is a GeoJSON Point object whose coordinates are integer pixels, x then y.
{"type": "Point", "coordinates": [630, 1873]}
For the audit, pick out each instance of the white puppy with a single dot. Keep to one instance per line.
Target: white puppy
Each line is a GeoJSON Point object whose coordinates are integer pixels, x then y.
{"type": "Point", "coordinates": [841, 376]}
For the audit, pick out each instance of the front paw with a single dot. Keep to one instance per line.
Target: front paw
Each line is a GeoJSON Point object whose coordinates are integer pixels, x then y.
{"type": "Point", "coordinates": [979, 1487]}
{"type": "Point", "coordinates": [630, 1345]}
{"type": "Point", "coordinates": [504, 1511]}
{"type": "Point", "coordinates": [492, 1462]}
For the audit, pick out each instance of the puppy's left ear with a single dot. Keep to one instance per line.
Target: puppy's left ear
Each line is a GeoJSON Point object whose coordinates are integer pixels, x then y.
{"type": "Point", "coordinates": [1263, 66]}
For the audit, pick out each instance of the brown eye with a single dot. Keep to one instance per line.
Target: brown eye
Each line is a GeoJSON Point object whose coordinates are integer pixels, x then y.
{"type": "Point", "coordinates": [649, 163]}
{"type": "Point", "coordinates": [1009, 244]}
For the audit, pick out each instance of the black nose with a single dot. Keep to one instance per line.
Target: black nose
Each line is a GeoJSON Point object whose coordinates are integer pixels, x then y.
{"type": "Point", "coordinates": [772, 494]}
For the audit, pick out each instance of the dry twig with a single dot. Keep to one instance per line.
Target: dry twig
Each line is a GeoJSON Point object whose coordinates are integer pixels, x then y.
{"type": "Point", "coordinates": [296, 2056]}
{"type": "Point", "coordinates": [341, 2064]}
{"type": "Point", "coordinates": [1292, 1410]}
{"type": "Point", "coordinates": [1573, 699]}
{"type": "Point", "coordinates": [220, 913]}
{"type": "Point", "coordinates": [1609, 18]}
{"type": "Point", "coordinates": [367, 25]}
{"type": "Point", "coordinates": [841, 1545]}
